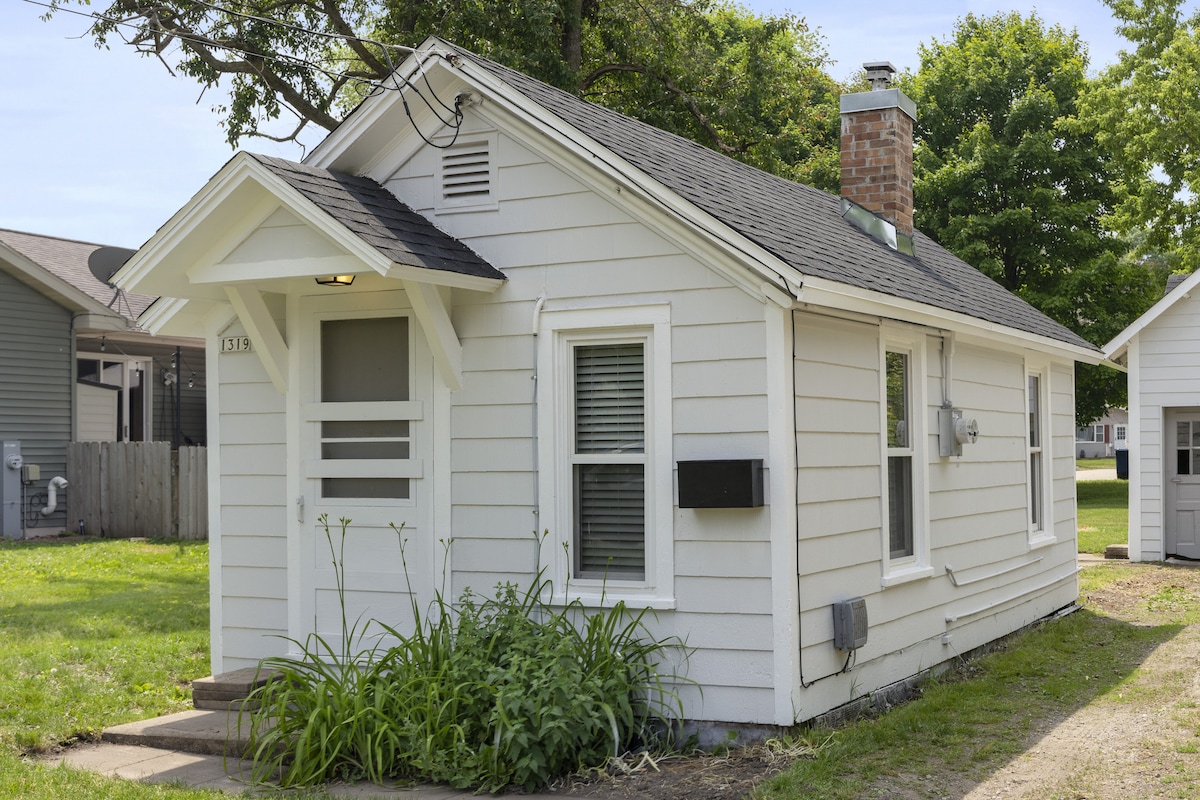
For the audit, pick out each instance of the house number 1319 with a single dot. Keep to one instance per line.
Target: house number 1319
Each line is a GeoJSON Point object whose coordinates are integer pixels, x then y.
{"type": "Point", "coordinates": [235, 344]}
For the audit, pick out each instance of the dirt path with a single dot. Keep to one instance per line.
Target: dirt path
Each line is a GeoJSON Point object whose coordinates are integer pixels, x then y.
{"type": "Point", "coordinates": [1139, 741]}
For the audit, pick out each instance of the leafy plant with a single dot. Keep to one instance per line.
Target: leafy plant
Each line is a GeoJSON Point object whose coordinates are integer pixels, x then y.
{"type": "Point", "coordinates": [483, 694]}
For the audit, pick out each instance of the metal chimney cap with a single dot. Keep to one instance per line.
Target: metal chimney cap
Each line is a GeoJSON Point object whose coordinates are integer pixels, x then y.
{"type": "Point", "coordinates": [879, 73]}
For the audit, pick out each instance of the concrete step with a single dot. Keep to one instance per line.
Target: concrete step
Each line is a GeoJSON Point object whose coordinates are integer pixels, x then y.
{"type": "Point", "coordinates": [225, 692]}
{"type": "Point", "coordinates": [200, 731]}
{"type": "Point", "coordinates": [1117, 551]}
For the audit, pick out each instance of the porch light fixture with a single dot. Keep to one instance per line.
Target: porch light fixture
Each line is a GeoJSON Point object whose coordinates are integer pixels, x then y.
{"type": "Point", "coordinates": [335, 280]}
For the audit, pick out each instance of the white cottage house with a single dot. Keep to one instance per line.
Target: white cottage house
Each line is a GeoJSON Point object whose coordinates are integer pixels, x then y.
{"type": "Point", "coordinates": [1159, 351]}
{"type": "Point", "coordinates": [497, 309]}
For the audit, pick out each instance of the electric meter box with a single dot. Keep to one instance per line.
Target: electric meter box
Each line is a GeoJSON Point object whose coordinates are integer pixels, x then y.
{"type": "Point", "coordinates": [30, 473]}
{"type": "Point", "coordinates": [954, 431]}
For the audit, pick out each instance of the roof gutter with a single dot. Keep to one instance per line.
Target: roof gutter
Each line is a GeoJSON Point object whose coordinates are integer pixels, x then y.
{"type": "Point", "coordinates": [831, 294]}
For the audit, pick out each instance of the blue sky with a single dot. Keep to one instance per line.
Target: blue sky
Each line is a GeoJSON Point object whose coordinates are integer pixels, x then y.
{"type": "Point", "coordinates": [104, 146]}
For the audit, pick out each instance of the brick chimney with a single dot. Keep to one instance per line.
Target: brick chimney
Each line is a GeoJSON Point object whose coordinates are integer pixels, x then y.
{"type": "Point", "coordinates": [877, 146]}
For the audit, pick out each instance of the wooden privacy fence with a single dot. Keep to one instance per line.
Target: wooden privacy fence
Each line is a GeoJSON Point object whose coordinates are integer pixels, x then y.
{"type": "Point", "coordinates": [126, 489]}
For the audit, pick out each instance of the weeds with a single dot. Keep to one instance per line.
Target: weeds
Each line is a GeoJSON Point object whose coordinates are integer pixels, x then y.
{"type": "Point", "coordinates": [485, 693]}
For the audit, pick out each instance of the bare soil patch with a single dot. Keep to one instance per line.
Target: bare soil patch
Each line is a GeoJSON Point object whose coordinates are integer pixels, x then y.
{"type": "Point", "coordinates": [704, 776]}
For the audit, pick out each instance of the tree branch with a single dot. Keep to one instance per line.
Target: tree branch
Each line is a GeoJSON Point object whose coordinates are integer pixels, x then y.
{"type": "Point", "coordinates": [686, 99]}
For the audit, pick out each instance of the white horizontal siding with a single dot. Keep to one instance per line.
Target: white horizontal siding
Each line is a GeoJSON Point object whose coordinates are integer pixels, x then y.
{"type": "Point", "coordinates": [1168, 378]}
{"type": "Point", "coordinates": [36, 383]}
{"type": "Point", "coordinates": [253, 515]}
{"type": "Point", "coordinates": [977, 505]}
{"type": "Point", "coordinates": [554, 238]}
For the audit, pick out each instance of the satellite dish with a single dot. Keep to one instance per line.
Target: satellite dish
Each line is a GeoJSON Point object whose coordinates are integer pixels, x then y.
{"type": "Point", "coordinates": [105, 261]}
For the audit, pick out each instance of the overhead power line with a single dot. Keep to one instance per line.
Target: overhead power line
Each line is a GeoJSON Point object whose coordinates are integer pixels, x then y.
{"type": "Point", "coordinates": [394, 81]}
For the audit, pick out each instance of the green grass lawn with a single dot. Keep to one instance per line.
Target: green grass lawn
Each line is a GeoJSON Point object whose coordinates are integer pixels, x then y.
{"type": "Point", "coordinates": [1095, 463]}
{"type": "Point", "coordinates": [962, 728]}
{"type": "Point", "coordinates": [95, 633]}
{"type": "Point", "coordinates": [1103, 514]}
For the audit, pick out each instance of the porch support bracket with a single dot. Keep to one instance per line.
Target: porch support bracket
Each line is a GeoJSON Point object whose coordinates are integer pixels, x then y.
{"type": "Point", "coordinates": [272, 350]}
{"type": "Point", "coordinates": [429, 307]}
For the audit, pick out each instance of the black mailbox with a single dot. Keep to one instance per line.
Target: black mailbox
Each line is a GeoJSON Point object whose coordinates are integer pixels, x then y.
{"type": "Point", "coordinates": [730, 483]}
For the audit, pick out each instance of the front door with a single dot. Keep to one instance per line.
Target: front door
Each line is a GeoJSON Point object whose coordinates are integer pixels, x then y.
{"type": "Point", "coordinates": [1183, 483]}
{"type": "Point", "coordinates": [365, 440]}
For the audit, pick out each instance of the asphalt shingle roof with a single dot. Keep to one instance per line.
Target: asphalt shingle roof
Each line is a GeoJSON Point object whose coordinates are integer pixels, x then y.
{"type": "Point", "coordinates": [67, 259]}
{"type": "Point", "coordinates": [800, 225]}
{"type": "Point", "coordinates": [376, 216]}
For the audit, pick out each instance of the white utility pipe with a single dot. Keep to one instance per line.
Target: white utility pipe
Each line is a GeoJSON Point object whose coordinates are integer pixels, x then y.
{"type": "Point", "coordinates": [56, 483]}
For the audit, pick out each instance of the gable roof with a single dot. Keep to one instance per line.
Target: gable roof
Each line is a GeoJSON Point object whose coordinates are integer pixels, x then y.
{"type": "Point", "coordinates": [1178, 288]}
{"type": "Point", "coordinates": [798, 224]}
{"type": "Point", "coordinates": [65, 262]}
{"type": "Point", "coordinates": [379, 218]}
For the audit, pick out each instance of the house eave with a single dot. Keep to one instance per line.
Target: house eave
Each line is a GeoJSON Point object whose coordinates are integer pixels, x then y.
{"type": "Point", "coordinates": [1115, 349]}
{"type": "Point", "coordinates": [824, 293]}
{"type": "Point", "coordinates": [54, 288]}
{"type": "Point", "coordinates": [181, 261]}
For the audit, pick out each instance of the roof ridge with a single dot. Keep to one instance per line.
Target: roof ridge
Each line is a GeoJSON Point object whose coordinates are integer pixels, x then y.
{"type": "Point", "coordinates": [59, 238]}
{"type": "Point", "coordinates": [798, 224]}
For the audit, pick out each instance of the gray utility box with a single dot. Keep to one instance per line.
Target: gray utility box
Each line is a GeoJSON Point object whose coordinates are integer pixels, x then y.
{"type": "Point", "coordinates": [850, 623]}
{"type": "Point", "coordinates": [10, 489]}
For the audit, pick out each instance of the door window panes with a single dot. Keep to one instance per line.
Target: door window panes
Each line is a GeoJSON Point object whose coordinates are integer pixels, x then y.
{"type": "Point", "coordinates": [364, 361]}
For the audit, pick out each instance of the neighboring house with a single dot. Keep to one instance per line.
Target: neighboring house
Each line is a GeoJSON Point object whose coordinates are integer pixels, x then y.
{"type": "Point", "coordinates": [76, 368]}
{"type": "Point", "coordinates": [1104, 436]}
{"type": "Point", "coordinates": [718, 392]}
{"type": "Point", "coordinates": [1159, 350]}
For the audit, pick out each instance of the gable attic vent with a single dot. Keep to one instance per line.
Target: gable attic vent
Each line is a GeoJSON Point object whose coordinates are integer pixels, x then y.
{"type": "Point", "coordinates": [467, 174]}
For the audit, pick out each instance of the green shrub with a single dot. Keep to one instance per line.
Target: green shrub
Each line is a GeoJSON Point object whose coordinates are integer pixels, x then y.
{"type": "Point", "coordinates": [483, 694]}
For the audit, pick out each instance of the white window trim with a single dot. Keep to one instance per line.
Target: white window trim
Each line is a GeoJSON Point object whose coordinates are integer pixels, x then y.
{"type": "Point", "coordinates": [1043, 536]}
{"type": "Point", "coordinates": [558, 332]}
{"type": "Point", "coordinates": [894, 338]}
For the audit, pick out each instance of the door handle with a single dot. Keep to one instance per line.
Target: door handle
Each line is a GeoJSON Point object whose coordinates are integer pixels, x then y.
{"type": "Point", "coordinates": [300, 508]}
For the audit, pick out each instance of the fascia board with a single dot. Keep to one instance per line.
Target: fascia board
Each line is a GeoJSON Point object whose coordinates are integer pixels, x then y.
{"type": "Point", "coordinates": [161, 312]}
{"type": "Point", "coordinates": [51, 286]}
{"type": "Point", "coordinates": [830, 294]}
{"type": "Point", "coordinates": [1116, 348]}
{"type": "Point", "coordinates": [171, 235]}
{"type": "Point", "coordinates": [441, 277]}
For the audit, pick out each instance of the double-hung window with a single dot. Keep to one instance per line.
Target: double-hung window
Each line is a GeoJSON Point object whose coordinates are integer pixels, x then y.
{"type": "Point", "coordinates": [608, 460]}
{"type": "Point", "coordinates": [604, 454]}
{"type": "Point", "coordinates": [1037, 393]}
{"type": "Point", "coordinates": [899, 454]}
{"type": "Point", "coordinates": [905, 528]}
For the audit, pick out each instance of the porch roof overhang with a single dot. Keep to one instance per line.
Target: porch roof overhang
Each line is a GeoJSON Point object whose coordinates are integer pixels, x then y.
{"type": "Point", "coordinates": [203, 258]}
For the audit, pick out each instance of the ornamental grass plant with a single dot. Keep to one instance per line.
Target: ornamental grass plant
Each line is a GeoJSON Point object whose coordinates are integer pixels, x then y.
{"type": "Point", "coordinates": [484, 693]}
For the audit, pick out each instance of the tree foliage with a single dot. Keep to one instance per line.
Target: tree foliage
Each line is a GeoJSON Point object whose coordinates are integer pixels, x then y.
{"type": "Point", "coordinates": [751, 87]}
{"type": "Point", "coordinates": [1008, 178]}
{"type": "Point", "coordinates": [1147, 112]}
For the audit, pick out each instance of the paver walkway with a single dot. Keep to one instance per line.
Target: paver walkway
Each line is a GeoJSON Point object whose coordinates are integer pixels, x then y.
{"type": "Point", "coordinates": [178, 737]}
